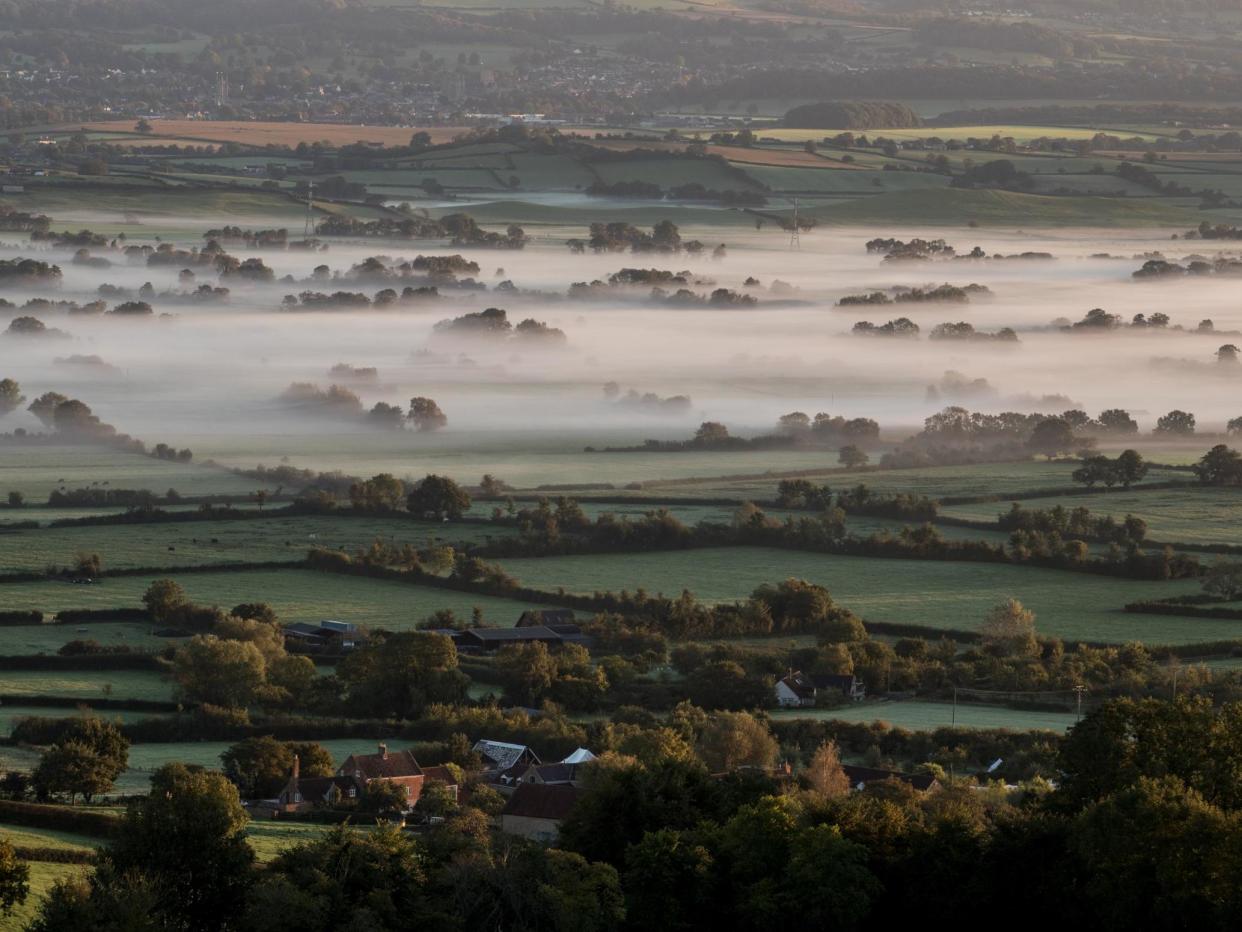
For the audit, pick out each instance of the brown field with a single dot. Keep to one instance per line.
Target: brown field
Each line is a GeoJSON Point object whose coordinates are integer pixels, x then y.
{"type": "Point", "coordinates": [264, 134]}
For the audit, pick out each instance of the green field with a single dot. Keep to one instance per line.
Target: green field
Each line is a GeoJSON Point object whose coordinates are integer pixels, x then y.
{"type": "Point", "coordinates": [42, 876]}
{"type": "Point", "coordinates": [1190, 515]}
{"type": "Point", "coordinates": [10, 714]}
{"type": "Point", "coordinates": [24, 836]}
{"type": "Point", "coordinates": [195, 543]}
{"type": "Point", "coordinates": [49, 638]}
{"type": "Point", "coordinates": [1073, 606]}
{"type": "Point", "coordinates": [87, 685]}
{"type": "Point", "coordinates": [36, 471]}
{"type": "Point", "coordinates": [926, 716]}
{"type": "Point", "coordinates": [297, 595]}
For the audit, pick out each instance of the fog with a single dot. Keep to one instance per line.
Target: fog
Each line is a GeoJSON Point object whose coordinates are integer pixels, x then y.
{"type": "Point", "coordinates": [213, 371]}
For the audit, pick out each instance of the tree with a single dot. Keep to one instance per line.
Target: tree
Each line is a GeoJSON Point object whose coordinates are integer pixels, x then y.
{"type": "Point", "coordinates": [16, 499]}
{"type": "Point", "coordinates": [1051, 437]}
{"type": "Point", "coordinates": [73, 767]}
{"type": "Point", "coordinates": [221, 672]}
{"type": "Point", "coordinates": [1130, 467]}
{"type": "Point", "coordinates": [426, 414]}
{"type": "Point", "coordinates": [1009, 628]}
{"type": "Point", "coordinates": [711, 432]}
{"type": "Point", "coordinates": [1224, 580]}
{"type": "Point", "coordinates": [400, 674]}
{"type": "Point", "coordinates": [1234, 427]}
{"type": "Point", "coordinates": [824, 772]}
{"type": "Point", "coordinates": [1176, 422]}
{"type": "Point", "coordinates": [260, 767]}
{"type": "Point", "coordinates": [1220, 466]}
{"type": "Point", "coordinates": [851, 457]}
{"type": "Point", "coordinates": [11, 396]}
{"type": "Point", "coordinates": [670, 882]}
{"type": "Point", "coordinates": [44, 407]}
{"type": "Point", "coordinates": [380, 494]}
{"type": "Point", "coordinates": [438, 497]}
{"type": "Point", "coordinates": [188, 837]}
{"type": "Point", "coordinates": [1227, 355]}
{"type": "Point", "coordinates": [14, 879]}
{"type": "Point", "coordinates": [1117, 421]}
{"type": "Point", "coordinates": [346, 879]}
{"type": "Point", "coordinates": [1098, 468]}
{"type": "Point", "coordinates": [724, 684]}
{"type": "Point", "coordinates": [827, 883]}
{"type": "Point", "coordinates": [731, 740]}
{"type": "Point", "coordinates": [144, 126]}
{"type": "Point", "coordinates": [163, 598]}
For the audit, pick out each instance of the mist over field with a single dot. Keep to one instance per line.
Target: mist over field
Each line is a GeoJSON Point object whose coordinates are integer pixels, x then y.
{"type": "Point", "coordinates": [217, 369]}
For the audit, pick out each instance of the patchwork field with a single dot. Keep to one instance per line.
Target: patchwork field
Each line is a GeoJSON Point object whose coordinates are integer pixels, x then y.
{"type": "Point", "coordinates": [1073, 606]}
{"type": "Point", "coordinates": [297, 595]}
{"type": "Point", "coordinates": [263, 134]}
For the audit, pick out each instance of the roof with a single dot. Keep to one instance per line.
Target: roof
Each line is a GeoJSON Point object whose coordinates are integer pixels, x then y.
{"type": "Point", "coordinates": [834, 680]}
{"type": "Point", "coordinates": [556, 773]}
{"type": "Point", "coordinates": [383, 765]}
{"type": "Point", "coordinates": [501, 755]}
{"type": "Point", "coordinates": [580, 756]}
{"type": "Point", "coordinates": [510, 635]}
{"type": "Point", "coordinates": [800, 685]}
{"type": "Point", "coordinates": [548, 616]}
{"type": "Point", "coordinates": [861, 776]}
{"type": "Point", "coordinates": [302, 630]}
{"type": "Point", "coordinates": [313, 788]}
{"type": "Point", "coordinates": [539, 801]}
{"type": "Point", "coordinates": [440, 773]}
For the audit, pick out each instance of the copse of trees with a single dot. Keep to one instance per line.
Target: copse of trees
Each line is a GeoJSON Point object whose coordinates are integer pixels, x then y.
{"type": "Point", "coordinates": [1127, 468]}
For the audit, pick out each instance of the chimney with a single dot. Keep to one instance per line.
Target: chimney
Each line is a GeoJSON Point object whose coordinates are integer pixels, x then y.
{"type": "Point", "coordinates": [383, 751]}
{"type": "Point", "coordinates": [297, 766]}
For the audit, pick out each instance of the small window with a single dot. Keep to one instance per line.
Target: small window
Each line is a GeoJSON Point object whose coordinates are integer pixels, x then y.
{"type": "Point", "coordinates": [407, 791]}
{"type": "Point", "coordinates": [297, 797]}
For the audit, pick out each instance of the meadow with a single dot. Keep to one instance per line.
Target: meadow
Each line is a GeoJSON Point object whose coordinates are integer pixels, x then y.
{"type": "Point", "coordinates": [934, 594]}
{"type": "Point", "coordinates": [295, 594]}
{"type": "Point", "coordinates": [1189, 515]}
{"type": "Point", "coordinates": [87, 684]}
{"type": "Point", "coordinates": [926, 716]}
{"type": "Point", "coordinates": [196, 543]}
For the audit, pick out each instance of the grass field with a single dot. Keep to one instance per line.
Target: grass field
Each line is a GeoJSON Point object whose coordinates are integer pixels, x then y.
{"type": "Point", "coordinates": [10, 714]}
{"type": "Point", "coordinates": [87, 685]}
{"type": "Point", "coordinates": [234, 541]}
{"type": "Point", "coordinates": [1073, 606]}
{"type": "Point", "coordinates": [926, 716]}
{"type": "Point", "coordinates": [49, 638]}
{"type": "Point", "coordinates": [42, 877]}
{"type": "Point", "coordinates": [36, 471]}
{"type": "Point", "coordinates": [26, 837]}
{"type": "Point", "coordinates": [1190, 515]}
{"type": "Point", "coordinates": [297, 595]}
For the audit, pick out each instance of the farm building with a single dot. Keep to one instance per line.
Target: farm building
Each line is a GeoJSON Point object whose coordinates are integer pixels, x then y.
{"type": "Point", "coordinates": [328, 637]}
{"type": "Point", "coordinates": [564, 773]}
{"type": "Point", "coordinates": [802, 689]}
{"type": "Point", "coordinates": [505, 763]}
{"type": "Point", "coordinates": [536, 811]}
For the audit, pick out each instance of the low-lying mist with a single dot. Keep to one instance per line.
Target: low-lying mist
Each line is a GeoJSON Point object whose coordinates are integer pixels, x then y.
{"type": "Point", "coordinates": [219, 368]}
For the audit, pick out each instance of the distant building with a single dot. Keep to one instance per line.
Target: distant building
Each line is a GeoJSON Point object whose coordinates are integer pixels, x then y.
{"type": "Point", "coordinates": [799, 690]}
{"type": "Point", "coordinates": [537, 811]}
{"type": "Point", "coordinates": [328, 637]}
{"type": "Point", "coordinates": [504, 763]}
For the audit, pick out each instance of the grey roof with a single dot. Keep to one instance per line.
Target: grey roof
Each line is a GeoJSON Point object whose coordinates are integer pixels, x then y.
{"type": "Point", "coordinates": [511, 635]}
{"type": "Point", "coordinates": [501, 755]}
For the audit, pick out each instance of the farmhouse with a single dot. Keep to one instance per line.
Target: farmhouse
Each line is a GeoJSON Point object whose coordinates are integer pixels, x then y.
{"type": "Point", "coordinates": [355, 774]}
{"type": "Point", "coordinates": [565, 773]}
{"type": "Point", "coordinates": [802, 689]}
{"type": "Point", "coordinates": [536, 811]}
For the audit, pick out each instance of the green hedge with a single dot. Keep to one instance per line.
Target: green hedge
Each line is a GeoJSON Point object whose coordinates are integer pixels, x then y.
{"type": "Point", "coordinates": [20, 618]}
{"type": "Point", "coordinates": [61, 818]}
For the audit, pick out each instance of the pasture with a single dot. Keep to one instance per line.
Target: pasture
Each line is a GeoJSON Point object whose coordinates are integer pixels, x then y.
{"type": "Point", "coordinates": [36, 471]}
{"type": "Point", "coordinates": [197, 543]}
{"type": "Point", "coordinates": [295, 594]}
{"type": "Point", "coordinates": [926, 716]}
{"type": "Point", "coordinates": [1189, 515]}
{"type": "Point", "coordinates": [934, 594]}
{"type": "Point", "coordinates": [43, 876]}
{"type": "Point", "coordinates": [87, 685]}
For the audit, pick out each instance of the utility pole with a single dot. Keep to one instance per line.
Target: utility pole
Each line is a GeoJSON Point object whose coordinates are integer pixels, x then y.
{"type": "Point", "coordinates": [1078, 691]}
